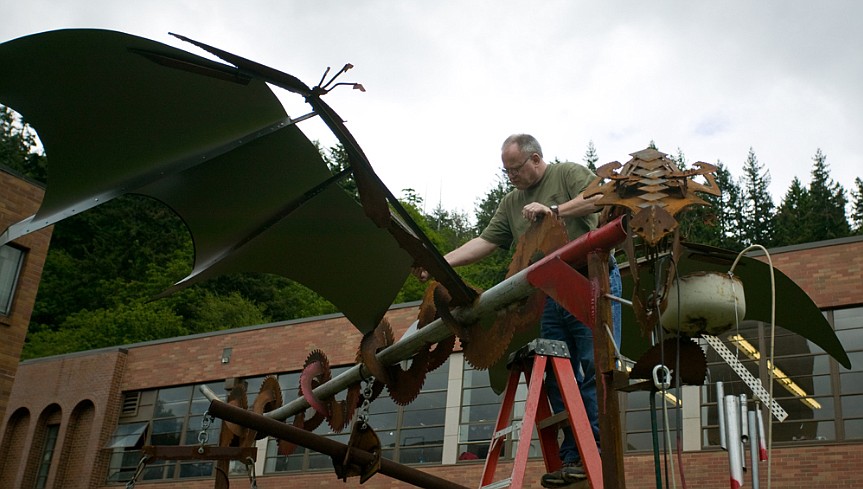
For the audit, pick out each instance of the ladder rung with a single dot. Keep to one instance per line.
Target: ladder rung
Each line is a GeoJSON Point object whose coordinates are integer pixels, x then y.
{"type": "Point", "coordinates": [553, 420]}
{"type": "Point", "coordinates": [509, 429]}
{"type": "Point", "coordinates": [498, 484]}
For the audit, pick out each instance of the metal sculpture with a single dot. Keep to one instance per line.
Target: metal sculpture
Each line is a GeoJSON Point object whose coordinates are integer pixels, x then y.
{"type": "Point", "coordinates": [137, 116]}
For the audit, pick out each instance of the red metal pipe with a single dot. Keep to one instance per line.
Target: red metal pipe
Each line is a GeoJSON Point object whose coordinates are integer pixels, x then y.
{"type": "Point", "coordinates": [576, 252]}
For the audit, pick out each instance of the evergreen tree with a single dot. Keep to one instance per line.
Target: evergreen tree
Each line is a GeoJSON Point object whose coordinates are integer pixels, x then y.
{"type": "Point", "coordinates": [786, 221]}
{"type": "Point", "coordinates": [590, 157]}
{"type": "Point", "coordinates": [486, 207]}
{"type": "Point", "coordinates": [337, 160]}
{"type": "Point", "coordinates": [19, 149]}
{"type": "Point", "coordinates": [679, 160]}
{"type": "Point", "coordinates": [756, 226]}
{"type": "Point", "coordinates": [715, 224]}
{"type": "Point", "coordinates": [824, 215]}
{"type": "Point", "coordinates": [857, 206]}
{"type": "Point", "coordinates": [490, 271]}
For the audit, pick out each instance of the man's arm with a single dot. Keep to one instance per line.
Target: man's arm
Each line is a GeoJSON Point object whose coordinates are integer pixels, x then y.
{"type": "Point", "coordinates": [470, 252]}
{"type": "Point", "coordinates": [577, 207]}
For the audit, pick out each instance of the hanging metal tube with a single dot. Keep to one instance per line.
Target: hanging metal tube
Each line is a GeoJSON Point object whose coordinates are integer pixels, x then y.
{"type": "Point", "coordinates": [732, 424]}
{"type": "Point", "coordinates": [762, 435]}
{"type": "Point", "coordinates": [753, 447]}
{"type": "Point", "coordinates": [720, 409]}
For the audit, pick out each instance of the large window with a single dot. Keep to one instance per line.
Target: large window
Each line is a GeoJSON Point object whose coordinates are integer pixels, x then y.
{"type": "Point", "coordinates": [823, 399]}
{"type": "Point", "coordinates": [169, 416]}
{"type": "Point", "coordinates": [301, 458]}
{"type": "Point", "coordinates": [412, 434]}
{"type": "Point", "coordinates": [10, 265]}
{"type": "Point", "coordinates": [47, 455]}
{"type": "Point", "coordinates": [480, 407]}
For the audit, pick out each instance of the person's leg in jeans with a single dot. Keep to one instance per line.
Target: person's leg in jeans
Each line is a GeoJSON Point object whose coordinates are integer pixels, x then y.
{"type": "Point", "coordinates": [616, 289]}
{"type": "Point", "coordinates": [559, 324]}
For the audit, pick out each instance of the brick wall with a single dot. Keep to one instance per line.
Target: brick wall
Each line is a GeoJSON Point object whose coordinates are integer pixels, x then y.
{"type": "Point", "coordinates": [831, 275]}
{"type": "Point", "coordinates": [255, 351]}
{"type": "Point", "coordinates": [824, 467]}
{"type": "Point", "coordinates": [21, 199]}
{"type": "Point", "coordinates": [71, 390]}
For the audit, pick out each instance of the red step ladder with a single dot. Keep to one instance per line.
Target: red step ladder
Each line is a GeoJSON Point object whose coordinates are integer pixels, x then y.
{"type": "Point", "coordinates": [532, 360]}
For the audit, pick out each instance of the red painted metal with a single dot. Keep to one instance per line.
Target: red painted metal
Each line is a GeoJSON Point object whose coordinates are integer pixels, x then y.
{"type": "Point", "coordinates": [537, 407]}
{"type": "Point", "coordinates": [556, 274]}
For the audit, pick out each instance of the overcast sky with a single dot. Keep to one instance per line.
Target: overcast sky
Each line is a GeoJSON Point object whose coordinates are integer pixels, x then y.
{"type": "Point", "coordinates": [447, 81]}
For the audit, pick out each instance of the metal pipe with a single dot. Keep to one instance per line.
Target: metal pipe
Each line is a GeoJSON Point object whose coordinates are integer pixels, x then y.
{"type": "Point", "coordinates": [720, 412]}
{"type": "Point", "coordinates": [618, 299]}
{"type": "Point", "coordinates": [753, 447]}
{"type": "Point", "coordinates": [735, 457]}
{"type": "Point", "coordinates": [762, 435]}
{"type": "Point", "coordinates": [327, 446]}
{"type": "Point", "coordinates": [498, 297]}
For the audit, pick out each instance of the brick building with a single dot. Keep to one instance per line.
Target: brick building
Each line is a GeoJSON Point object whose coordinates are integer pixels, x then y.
{"type": "Point", "coordinates": [20, 271]}
{"type": "Point", "coordinates": [79, 420]}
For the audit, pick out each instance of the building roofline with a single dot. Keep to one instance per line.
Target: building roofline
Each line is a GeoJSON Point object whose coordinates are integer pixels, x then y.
{"type": "Point", "coordinates": [240, 329]}
{"type": "Point", "coordinates": [17, 174]}
{"type": "Point", "coordinates": [808, 246]}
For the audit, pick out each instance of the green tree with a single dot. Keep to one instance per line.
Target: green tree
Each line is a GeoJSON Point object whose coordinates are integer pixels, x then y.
{"type": "Point", "coordinates": [757, 218]}
{"type": "Point", "coordinates": [337, 160]}
{"type": "Point", "coordinates": [590, 156]}
{"type": "Point", "coordinates": [857, 206]}
{"type": "Point", "coordinates": [101, 328]}
{"type": "Point", "coordinates": [787, 231]}
{"type": "Point", "coordinates": [19, 148]}
{"type": "Point", "coordinates": [487, 205]}
{"type": "Point", "coordinates": [680, 160]}
{"type": "Point", "coordinates": [717, 223]}
{"type": "Point", "coordinates": [824, 213]}
{"type": "Point", "coordinates": [490, 271]}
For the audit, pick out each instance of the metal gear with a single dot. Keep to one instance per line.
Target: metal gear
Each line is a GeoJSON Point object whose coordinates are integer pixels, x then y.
{"type": "Point", "coordinates": [690, 357]}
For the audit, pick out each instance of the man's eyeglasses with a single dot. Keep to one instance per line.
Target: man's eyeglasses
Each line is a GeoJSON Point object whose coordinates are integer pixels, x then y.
{"type": "Point", "coordinates": [511, 172]}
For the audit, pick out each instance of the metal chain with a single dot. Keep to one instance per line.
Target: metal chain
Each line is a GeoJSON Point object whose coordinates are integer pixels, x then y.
{"type": "Point", "coordinates": [204, 436]}
{"type": "Point", "coordinates": [140, 468]}
{"type": "Point", "coordinates": [363, 413]}
{"type": "Point", "coordinates": [250, 466]}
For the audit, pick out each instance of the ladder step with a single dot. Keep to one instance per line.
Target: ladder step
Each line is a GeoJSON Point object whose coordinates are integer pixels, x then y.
{"type": "Point", "coordinates": [553, 420]}
{"type": "Point", "coordinates": [499, 484]}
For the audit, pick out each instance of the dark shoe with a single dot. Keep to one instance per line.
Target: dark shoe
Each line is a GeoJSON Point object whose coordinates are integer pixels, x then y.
{"type": "Point", "coordinates": [570, 472]}
{"type": "Point", "coordinates": [573, 472]}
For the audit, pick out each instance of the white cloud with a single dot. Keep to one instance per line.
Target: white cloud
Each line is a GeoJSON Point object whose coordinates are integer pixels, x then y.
{"type": "Point", "coordinates": [447, 81]}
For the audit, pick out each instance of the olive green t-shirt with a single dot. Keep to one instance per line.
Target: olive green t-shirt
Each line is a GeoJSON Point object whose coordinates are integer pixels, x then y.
{"type": "Point", "coordinates": [560, 183]}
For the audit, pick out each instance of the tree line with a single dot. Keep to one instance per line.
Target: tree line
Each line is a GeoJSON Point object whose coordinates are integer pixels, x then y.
{"type": "Point", "coordinates": [105, 265]}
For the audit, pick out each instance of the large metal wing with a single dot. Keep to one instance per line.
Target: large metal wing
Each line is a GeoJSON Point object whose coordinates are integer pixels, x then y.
{"type": "Point", "coordinates": [121, 114]}
{"type": "Point", "coordinates": [795, 310]}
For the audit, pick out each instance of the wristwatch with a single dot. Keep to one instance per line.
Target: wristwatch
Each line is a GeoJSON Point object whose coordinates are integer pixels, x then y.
{"type": "Point", "coordinates": [555, 210]}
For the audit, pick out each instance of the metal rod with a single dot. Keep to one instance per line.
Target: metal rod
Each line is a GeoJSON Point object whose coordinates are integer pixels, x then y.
{"type": "Point", "coordinates": [753, 447]}
{"type": "Point", "coordinates": [618, 299]}
{"type": "Point", "coordinates": [498, 297]}
{"type": "Point", "coordinates": [720, 412]}
{"type": "Point", "coordinates": [732, 425]}
{"type": "Point", "coordinates": [327, 446]}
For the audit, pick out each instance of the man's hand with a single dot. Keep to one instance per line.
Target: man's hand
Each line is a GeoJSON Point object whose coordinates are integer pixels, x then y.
{"type": "Point", "coordinates": [532, 211]}
{"type": "Point", "coordinates": [420, 273]}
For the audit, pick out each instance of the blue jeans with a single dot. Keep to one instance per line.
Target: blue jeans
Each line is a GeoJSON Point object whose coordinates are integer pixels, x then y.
{"type": "Point", "coordinates": [558, 324]}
